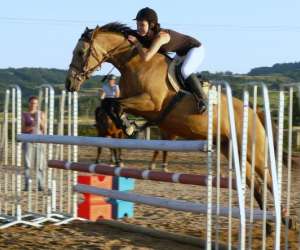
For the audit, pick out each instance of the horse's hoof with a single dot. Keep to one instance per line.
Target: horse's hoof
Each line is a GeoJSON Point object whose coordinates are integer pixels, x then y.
{"type": "Point", "coordinates": [164, 167]}
{"type": "Point", "coordinates": [120, 164]}
{"type": "Point", "coordinates": [152, 166]}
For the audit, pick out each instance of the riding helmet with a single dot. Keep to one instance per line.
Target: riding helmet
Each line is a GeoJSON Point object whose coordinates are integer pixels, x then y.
{"type": "Point", "coordinates": [111, 77]}
{"type": "Point", "coordinates": [147, 14]}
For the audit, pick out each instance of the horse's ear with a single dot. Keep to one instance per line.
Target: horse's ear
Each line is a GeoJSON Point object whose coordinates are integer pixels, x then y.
{"type": "Point", "coordinates": [85, 33]}
{"type": "Point", "coordinates": [95, 31]}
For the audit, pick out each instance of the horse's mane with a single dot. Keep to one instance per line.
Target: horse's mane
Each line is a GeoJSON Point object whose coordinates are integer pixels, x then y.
{"type": "Point", "coordinates": [115, 27]}
{"type": "Point", "coordinates": [122, 29]}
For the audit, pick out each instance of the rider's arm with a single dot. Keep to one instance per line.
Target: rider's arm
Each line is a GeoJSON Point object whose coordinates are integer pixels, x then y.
{"type": "Point", "coordinates": [102, 93]}
{"type": "Point", "coordinates": [117, 91]}
{"type": "Point", "coordinates": [147, 54]}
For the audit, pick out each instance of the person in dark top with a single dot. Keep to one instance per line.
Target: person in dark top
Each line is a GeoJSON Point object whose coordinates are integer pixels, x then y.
{"type": "Point", "coordinates": [34, 122]}
{"type": "Point", "coordinates": [157, 40]}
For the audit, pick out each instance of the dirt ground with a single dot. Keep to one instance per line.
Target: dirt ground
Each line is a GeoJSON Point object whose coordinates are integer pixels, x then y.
{"type": "Point", "coordinates": [88, 235]}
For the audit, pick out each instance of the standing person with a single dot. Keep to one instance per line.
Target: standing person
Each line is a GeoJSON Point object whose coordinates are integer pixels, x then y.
{"type": "Point", "coordinates": [151, 39]}
{"type": "Point", "coordinates": [33, 122]}
{"type": "Point", "coordinates": [111, 88]}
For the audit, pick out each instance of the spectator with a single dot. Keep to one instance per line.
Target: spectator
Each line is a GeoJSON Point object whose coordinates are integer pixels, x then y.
{"type": "Point", "coordinates": [33, 122]}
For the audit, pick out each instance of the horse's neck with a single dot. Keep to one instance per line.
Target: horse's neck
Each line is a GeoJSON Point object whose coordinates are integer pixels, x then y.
{"type": "Point", "coordinates": [130, 63]}
{"type": "Point", "coordinates": [138, 77]}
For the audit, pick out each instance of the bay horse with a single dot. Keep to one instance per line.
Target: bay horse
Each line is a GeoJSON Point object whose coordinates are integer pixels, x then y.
{"type": "Point", "coordinates": [146, 91]}
{"type": "Point", "coordinates": [106, 128]}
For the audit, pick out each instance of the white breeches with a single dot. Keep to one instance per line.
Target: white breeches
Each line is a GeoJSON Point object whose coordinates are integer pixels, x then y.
{"type": "Point", "coordinates": [192, 61]}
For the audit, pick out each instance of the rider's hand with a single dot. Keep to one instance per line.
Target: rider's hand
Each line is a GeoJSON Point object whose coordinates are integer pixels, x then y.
{"type": "Point", "coordinates": [132, 39]}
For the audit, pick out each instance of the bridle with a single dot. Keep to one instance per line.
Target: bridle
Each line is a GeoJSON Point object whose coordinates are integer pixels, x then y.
{"type": "Point", "coordinates": [85, 73]}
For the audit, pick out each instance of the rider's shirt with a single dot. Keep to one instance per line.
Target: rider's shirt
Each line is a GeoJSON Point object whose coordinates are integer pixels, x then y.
{"type": "Point", "coordinates": [179, 43]}
{"type": "Point", "coordinates": [31, 120]}
{"type": "Point", "coordinates": [110, 91]}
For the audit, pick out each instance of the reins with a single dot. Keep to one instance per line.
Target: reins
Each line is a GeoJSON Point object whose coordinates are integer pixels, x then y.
{"type": "Point", "coordinates": [93, 52]}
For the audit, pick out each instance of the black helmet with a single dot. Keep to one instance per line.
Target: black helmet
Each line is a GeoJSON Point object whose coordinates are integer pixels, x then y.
{"type": "Point", "coordinates": [111, 77]}
{"type": "Point", "coordinates": [147, 14]}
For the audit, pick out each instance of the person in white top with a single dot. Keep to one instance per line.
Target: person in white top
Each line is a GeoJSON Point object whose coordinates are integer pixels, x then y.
{"type": "Point", "coordinates": [111, 88]}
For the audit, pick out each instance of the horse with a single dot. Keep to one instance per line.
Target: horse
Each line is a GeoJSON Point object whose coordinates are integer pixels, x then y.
{"type": "Point", "coordinates": [106, 128]}
{"type": "Point", "coordinates": [146, 92]}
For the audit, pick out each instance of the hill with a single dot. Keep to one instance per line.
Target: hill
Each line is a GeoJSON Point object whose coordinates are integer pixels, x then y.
{"type": "Point", "coordinates": [30, 78]}
{"type": "Point", "coordinates": [291, 70]}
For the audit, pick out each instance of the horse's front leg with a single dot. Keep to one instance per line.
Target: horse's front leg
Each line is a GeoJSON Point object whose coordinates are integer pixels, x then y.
{"type": "Point", "coordinates": [152, 164]}
{"type": "Point", "coordinates": [113, 157]}
{"type": "Point", "coordinates": [99, 150]}
{"type": "Point", "coordinates": [166, 136]}
{"type": "Point", "coordinates": [140, 103]}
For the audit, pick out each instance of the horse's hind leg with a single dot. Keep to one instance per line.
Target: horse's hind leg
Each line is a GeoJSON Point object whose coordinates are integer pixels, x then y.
{"type": "Point", "coordinates": [118, 153]}
{"type": "Point", "coordinates": [284, 215]}
{"type": "Point", "coordinates": [166, 136]}
{"type": "Point", "coordinates": [165, 163]}
{"type": "Point", "coordinates": [258, 191]}
{"type": "Point", "coordinates": [152, 164]}
{"type": "Point", "coordinates": [257, 185]}
{"type": "Point", "coordinates": [257, 188]}
{"type": "Point", "coordinates": [99, 150]}
{"type": "Point", "coordinates": [113, 156]}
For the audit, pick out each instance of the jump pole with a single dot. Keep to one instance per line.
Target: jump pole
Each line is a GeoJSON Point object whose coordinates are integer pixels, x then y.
{"type": "Point", "coordinates": [192, 179]}
{"type": "Point", "coordinates": [179, 205]}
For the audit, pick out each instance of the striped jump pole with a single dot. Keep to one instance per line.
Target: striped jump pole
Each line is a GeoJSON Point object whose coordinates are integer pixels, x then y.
{"type": "Point", "coordinates": [192, 179]}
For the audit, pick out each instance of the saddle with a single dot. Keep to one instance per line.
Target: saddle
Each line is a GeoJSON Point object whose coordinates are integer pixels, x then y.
{"type": "Point", "coordinates": [177, 81]}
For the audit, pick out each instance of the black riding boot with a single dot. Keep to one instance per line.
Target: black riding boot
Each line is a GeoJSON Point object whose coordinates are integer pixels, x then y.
{"type": "Point", "coordinates": [194, 85]}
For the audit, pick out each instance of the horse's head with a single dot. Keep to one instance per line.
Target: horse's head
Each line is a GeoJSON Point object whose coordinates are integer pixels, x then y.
{"type": "Point", "coordinates": [84, 62]}
{"type": "Point", "coordinates": [93, 48]}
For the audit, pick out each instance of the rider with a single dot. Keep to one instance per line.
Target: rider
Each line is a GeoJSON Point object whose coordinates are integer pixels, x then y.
{"type": "Point", "coordinates": [111, 88]}
{"type": "Point", "coordinates": [156, 39]}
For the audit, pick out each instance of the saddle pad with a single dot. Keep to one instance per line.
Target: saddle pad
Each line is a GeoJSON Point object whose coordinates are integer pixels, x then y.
{"type": "Point", "coordinates": [176, 86]}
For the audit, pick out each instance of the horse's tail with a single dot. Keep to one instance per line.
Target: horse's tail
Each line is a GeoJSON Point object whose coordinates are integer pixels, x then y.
{"type": "Point", "coordinates": [295, 158]}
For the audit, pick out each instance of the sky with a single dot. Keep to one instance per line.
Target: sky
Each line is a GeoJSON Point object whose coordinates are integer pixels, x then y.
{"type": "Point", "coordinates": [237, 35]}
